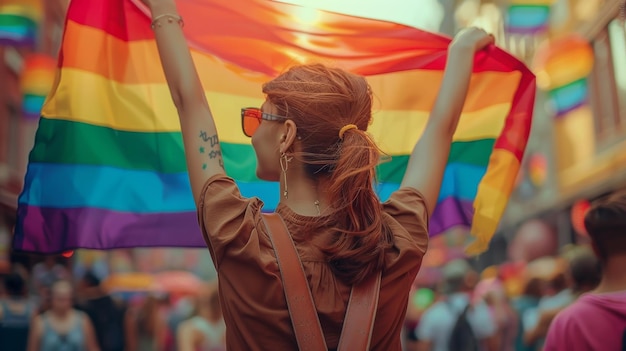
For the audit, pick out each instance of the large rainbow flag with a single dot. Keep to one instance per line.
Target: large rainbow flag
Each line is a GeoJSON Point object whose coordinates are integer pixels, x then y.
{"type": "Point", "coordinates": [107, 169]}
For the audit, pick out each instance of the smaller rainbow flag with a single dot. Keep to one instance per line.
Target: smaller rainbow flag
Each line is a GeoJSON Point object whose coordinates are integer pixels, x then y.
{"type": "Point", "coordinates": [528, 16]}
{"type": "Point", "coordinates": [562, 68]}
{"type": "Point", "coordinates": [19, 22]}
{"type": "Point", "coordinates": [569, 97]}
{"type": "Point", "coordinates": [36, 83]}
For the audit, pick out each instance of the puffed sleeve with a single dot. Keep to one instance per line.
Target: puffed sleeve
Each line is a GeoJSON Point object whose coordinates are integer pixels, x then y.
{"type": "Point", "coordinates": [408, 207]}
{"type": "Point", "coordinates": [228, 221]}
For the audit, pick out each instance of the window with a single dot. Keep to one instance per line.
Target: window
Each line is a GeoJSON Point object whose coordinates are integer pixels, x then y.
{"type": "Point", "coordinates": [607, 84]}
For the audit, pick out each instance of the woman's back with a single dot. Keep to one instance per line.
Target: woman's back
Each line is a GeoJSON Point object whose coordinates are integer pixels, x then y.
{"type": "Point", "coordinates": [250, 283]}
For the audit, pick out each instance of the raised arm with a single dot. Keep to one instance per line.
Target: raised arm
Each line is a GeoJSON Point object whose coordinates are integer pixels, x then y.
{"type": "Point", "coordinates": [202, 148]}
{"type": "Point", "coordinates": [430, 155]}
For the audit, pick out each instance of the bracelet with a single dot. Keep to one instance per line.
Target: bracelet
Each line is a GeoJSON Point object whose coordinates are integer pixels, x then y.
{"type": "Point", "coordinates": [170, 19]}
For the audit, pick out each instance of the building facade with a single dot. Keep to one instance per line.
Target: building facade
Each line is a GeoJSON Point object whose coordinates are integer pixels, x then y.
{"type": "Point", "coordinates": [584, 151]}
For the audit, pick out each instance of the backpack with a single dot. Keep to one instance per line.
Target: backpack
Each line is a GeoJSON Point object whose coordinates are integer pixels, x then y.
{"type": "Point", "coordinates": [463, 337]}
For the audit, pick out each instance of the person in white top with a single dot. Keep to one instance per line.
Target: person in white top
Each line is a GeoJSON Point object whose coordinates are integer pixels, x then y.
{"type": "Point", "coordinates": [205, 331]}
{"type": "Point", "coordinates": [435, 327]}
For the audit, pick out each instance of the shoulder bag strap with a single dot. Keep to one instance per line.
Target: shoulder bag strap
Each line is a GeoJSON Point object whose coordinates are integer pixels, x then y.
{"type": "Point", "coordinates": [360, 314]}
{"type": "Point", "coordinates": [306, 324]}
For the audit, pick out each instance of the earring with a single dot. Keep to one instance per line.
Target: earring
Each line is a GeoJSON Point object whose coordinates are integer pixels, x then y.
{"type": "Point", "coordinates": [284, 166]}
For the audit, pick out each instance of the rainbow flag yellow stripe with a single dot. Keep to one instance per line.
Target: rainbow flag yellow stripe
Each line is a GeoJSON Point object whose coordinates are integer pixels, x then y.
{"type": "Point", "coordinates": [107, 169]}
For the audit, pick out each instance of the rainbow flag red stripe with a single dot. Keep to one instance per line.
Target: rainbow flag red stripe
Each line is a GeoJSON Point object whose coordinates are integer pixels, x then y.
{"type": "Point", "coordinates": [107, 169]}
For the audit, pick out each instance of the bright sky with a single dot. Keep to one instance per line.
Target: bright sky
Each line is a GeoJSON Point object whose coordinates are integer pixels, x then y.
{"type": "Point", "coordinates": [425, 14]}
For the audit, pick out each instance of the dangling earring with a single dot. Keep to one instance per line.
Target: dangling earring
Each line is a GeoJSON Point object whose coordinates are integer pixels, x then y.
{"type": "Point", "coordinates": [284, 166]}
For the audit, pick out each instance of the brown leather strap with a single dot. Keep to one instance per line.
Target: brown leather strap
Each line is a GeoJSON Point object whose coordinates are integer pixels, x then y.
{"type": "Point", "coordinates": [360, 314]}
{"type": "Point", "coordinates": [306, 324]}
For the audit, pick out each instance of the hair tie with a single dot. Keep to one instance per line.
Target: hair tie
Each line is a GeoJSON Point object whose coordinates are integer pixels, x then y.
{"type": "Point", "coordinates": [346, 128]}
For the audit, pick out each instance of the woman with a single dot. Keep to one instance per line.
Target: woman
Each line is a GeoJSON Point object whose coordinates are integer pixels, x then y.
{"type": "Point", "coordinates": [62, 327]}
{"type": "Point", "coordinates": [204, 331]}
{"type": "Point", "coordinates": [310, 135]}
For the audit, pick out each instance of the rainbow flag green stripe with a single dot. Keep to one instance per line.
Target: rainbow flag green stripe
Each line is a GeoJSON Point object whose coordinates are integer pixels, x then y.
{"type": "Point", "coordinates": [102, 146]}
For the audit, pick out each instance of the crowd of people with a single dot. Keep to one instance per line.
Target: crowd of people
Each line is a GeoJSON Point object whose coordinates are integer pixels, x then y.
{"type": "Point", "coordinates": [576, 301]}
{"type": "Point", "coordinates": [47, 310]}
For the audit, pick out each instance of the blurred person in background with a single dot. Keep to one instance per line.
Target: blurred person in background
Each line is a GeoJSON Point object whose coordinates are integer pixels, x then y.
{"type": "Point", "coordinates": [529, 300]}
{"type": "Point", "coordinates": [47, 272]}
{"type": "Point", "coordinates": [44, 274]}
{"type": "Point", "coordinates": [597, 320]}
{"type": "Point", "coordinates": [205, 331]}
{"type": "Point", "coordinates": [583, 275]}
{"type": "Point", "coordinates": [106, 314]}
{"type": "Point", "coordinates": [435, 328]}
{"type": "Point", "coordinates": [62, 328]}
{"type": "Point", "coordinates": [146, 327]}
{"type": "Point", "coordinates": [16, 313]}
{"type": "Point", "coordinates": [556, 293]}
{"type": "Point", "coordinates": [420, 299]}
{"type": "Point", "coordinates": [492, 291]}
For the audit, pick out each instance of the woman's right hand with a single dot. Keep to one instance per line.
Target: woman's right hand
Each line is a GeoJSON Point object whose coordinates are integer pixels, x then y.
{"type": "Point", "coordinates": [472, 38]}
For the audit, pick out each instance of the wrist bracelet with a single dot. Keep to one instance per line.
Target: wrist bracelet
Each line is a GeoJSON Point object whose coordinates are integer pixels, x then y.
{"type": "Point", "coordinates": [171, 18]}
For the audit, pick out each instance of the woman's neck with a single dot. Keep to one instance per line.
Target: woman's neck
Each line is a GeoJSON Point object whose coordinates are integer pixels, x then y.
{"type": "Point", "coordinates": [304, 196]}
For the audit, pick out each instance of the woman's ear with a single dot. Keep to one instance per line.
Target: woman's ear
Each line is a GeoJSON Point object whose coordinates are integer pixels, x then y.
{"type": "Point", "coordinates": [288, 136]}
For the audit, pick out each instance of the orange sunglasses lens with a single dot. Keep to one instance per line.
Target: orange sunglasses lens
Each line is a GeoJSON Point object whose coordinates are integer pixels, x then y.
{"type": "Point", "coordinates": [250, 121]}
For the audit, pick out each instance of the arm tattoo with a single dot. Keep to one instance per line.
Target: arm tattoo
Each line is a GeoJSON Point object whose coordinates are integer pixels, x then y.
{"type": "Point", "coordinates": [204, 136]}
{"type": "Point", "coordinates": [213, 143]}
{"type": "Point", "coordinates": [215, 153]}
{"type": "Point", "coordinates": [213, 140]}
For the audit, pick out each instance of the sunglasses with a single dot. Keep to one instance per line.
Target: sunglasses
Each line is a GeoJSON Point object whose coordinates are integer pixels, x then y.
{"type": "Point", "coordinates": [251, 118]}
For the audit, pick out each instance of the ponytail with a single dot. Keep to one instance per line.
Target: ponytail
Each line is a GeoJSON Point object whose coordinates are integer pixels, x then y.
{"type": "Point", "coordinates": [358, 248]}
{"type": "Point", "coordinates": [320, 99]}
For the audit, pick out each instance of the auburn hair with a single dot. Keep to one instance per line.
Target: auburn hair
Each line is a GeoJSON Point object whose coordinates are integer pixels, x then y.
{"type": "Point", "coordinates": [321, 100]}
{"type": "Point", "coordinates": [606, 224]}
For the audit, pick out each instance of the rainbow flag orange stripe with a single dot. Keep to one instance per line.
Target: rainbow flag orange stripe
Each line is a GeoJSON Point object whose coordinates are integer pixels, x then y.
{"type": "Point", "coordinates": [107, 169]}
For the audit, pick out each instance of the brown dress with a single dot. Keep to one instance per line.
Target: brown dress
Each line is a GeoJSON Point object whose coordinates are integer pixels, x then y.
{"type": "Point", "coordinates": [250, 286]}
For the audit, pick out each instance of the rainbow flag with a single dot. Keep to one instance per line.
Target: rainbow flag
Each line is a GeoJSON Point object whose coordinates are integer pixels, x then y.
{"type": "Point", "coordinates": [19, 21]}
{"type": "Point", "coordinates": [566, 83]}
{"type": "Point", "coordinates": [107, 169]}
{"type": "Point", "coordinates": [35, 83]}
{"type": "Point", "coordinates": [528, 16]}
